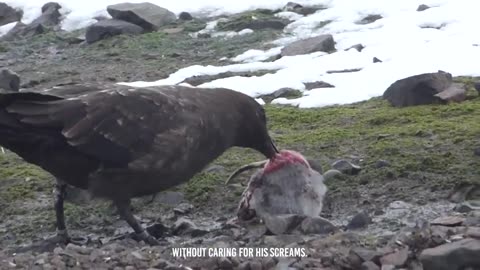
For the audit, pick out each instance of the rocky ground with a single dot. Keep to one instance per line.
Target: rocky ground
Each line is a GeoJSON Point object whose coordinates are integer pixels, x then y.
{"type": "Point", "coordinates": [407, 197]}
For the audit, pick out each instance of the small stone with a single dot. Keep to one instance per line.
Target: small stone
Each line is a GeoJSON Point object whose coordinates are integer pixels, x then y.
{"type": "Point", "coordinates": [317, 225]}
{"type": "Point", "coordinates": [331, 174]}
{"type": "Point", "coordinates": [324, 43]}
{"type": "Point", "coordinates": [183, 209]}
{"type": "Point", "coordinates": [370, 19]}
{"type": "Point", "coordinates": [292, 6]}
{"type": "Point", "coordinates": [448, 221]}
{"type": "Point", "coordinates": [359, 221]}
{"type": "Point", "coordinates": [365, 255]}
{"type": "Point", "coordinates": [185, 16]}
{"type": "Point", "coordinates": [346, 167]}
{"type": "Point", "coordinates": [463, 208]}
{"type": "Point", "coordinates": [397, 258]}
{"type": "Point", "coordinates": [369, 266]}
{"type": "Point", "coordinates": [317, 84]}
{"type": "Point", "coordinates": [376, 60]}
{"type": "Point", "coordinates": [422, 7]}
{"type": "Point", "coordinates": [359, 47]}
{"type": "Point", "coordinates": [285, 92]}
{"type": "Point", "coordinates": [381, 164]}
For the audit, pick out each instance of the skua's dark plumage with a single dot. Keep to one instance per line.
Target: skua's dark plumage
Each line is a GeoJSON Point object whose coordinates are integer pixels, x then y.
{"type": "Point", "coordinates": [121, 142]}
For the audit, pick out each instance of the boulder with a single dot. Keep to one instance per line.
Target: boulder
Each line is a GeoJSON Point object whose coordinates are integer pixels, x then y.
{"type": "Point", "coordinates": [107, 28]}
{"type": "Point", "coordinates": [9, 14]}
{"type": "Point", "coordinates": [322, 43]}
{"type": "Point", "coordinates": [146, 15]}
{"type": "Point", "coordinates": [50, 16]}
{"type": "Point", "coordinates": [185, 16]}
{"type": "Point", "coordinates": [419, 89]}
{"type": "Point", "coordinates": [452, 256]}
{"type": "Point", "coordinates": [48, 20]}
{"type": "Point", "coordinates": [9, 81]}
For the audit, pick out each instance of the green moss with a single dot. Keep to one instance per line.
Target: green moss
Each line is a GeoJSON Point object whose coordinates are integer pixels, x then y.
{"type": "Point", "coordinates": [436, 141]}
{"type": "Point", "coordinates": [3, 48]}
{"type": "Point", "coordinates": [250, 19]}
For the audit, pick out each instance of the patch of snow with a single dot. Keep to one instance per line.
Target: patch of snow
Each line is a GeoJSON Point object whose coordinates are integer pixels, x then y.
{"type": "Point", "coordinates": [231, 34]}
{"type": "Point", "coordinates": [6, 28]}
{"type": "Point", "coordinates": [289, 15]}
{"type": "Point", "coordinates": [260, 101]}
{"type": "Point", "coordinates": [80, 13]}
{"type": "Point", "coordinates": [398, 40]}
{"type": "Point", "coordinates": [257, 55]}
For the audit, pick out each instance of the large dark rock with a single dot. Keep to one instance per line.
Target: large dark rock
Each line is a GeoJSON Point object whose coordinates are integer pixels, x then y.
{"type": "Point", "coordinates": [452, 256]}
{"type": "Point", "coordinates": [9, 81]}
{"type": "Point", "coordinates": [108, 28]}
{"type": "Point", "coordinates": [419, 89]}
{"type": "Point", "coordinates": [185, 16]}
{"type": "Point", "coordinates": [323, 43]}
{"type": "Point", "coordinates": [49, 20]}
{"type": "Point", "coordinates": [147, 15]}
{"type": "Point", "coordinates": [50, 16]}
{"type": "Point", "coordinates": [9, 14]}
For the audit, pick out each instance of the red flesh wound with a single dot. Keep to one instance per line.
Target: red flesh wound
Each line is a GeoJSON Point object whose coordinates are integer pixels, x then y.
{"type": "Point", "coordinates": [283, 158]}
